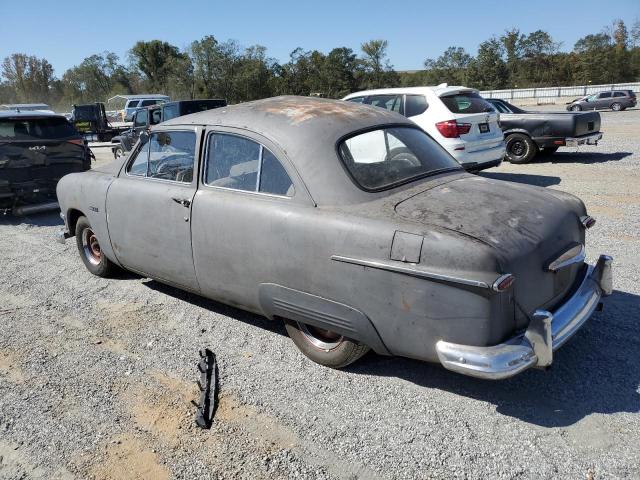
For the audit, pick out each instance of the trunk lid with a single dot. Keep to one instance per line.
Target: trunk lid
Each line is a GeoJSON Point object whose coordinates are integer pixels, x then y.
{"type": "Point", "coordinates": [526, 226]}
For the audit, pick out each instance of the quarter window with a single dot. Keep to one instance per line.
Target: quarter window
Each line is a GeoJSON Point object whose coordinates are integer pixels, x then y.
{"type": "Point", "coordinates": [415, 105]}
{"type": "Point", "coordinates": [242, 164]}
{"type": "Point", "coordinates": [166, 156]}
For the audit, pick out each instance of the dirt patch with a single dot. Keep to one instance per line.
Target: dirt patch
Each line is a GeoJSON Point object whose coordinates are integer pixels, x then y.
{"type": "Point", "coordinates": [127, 457]}
{"type": "Point", "coordinates": [9, 367]}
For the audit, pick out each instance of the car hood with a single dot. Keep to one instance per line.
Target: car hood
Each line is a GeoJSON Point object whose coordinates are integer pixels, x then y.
{"type": "Point", "coordinates": [112, 168]}
{"type": "Point", "coordinates": [505, 215]}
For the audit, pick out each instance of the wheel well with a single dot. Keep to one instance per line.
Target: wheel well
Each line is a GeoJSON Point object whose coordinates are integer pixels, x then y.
{"type": "Point", "coordinates": [521, 132]}
{"type": "Point", "coordinates": [72, 219]}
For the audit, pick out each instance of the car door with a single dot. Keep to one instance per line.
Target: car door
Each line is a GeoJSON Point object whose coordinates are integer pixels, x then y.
{"type": "Point", "coordinates": [245, 217]}
{"type": "Point", "coordinates": [603, 101]}
{"type": "Point", "coordinates": [149, 207]}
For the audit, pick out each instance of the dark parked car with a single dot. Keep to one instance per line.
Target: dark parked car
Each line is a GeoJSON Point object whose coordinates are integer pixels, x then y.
{"type": "Point", "coordinates": [527, 132]}
{"type": "Point", "coordinates": [36, 150]}
{"type": "Point", "coordinates": [615, 100]}
{"type": "Point", "coordinates": [145, 118]}
{"type": "Point", "coordinates": [350, 224]}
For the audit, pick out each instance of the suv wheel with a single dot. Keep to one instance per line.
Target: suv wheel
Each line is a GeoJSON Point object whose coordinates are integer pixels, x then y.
{"type": "Point", "coordinates": [118, 152]}
{"type": "Point", "coordinates": [520, 148]}
{"type": "Point", "coordinates": [616, 107]}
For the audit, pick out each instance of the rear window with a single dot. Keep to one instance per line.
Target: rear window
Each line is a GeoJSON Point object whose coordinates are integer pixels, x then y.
{"type": "Point", "coordinates": [84, 113]}
{"type": "Point", "coordinates": [468, 102]}
{"type": "Point", "coordinates": [36, 128]}
{"type": "Point", "coordinates": [383, 158]}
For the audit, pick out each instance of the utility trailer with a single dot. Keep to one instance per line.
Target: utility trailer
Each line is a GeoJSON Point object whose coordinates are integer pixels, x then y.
{"type": "Point", "coordinates": [91, 121]}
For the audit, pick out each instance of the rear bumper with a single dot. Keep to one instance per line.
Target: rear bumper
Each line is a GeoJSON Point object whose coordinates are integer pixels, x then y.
{"type": "Point", "coordinates": [547, 332]}
{"type": "Point", "coordinates": [479, 159]}
{"type": "Point", "coordinates": [585, 140]}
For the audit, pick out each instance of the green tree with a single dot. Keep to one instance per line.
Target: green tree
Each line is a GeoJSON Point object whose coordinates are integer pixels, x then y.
{"type": "Point", "coordinates": [159, 62]}
{"type": "Point", "coordinates": [377, 71]}
{"type": "Point", "coordinates": [488, 70]}
{"type": "Point", "coordinates": [30, 77]}
{"type": "Point", "coordinates": [450, 67]}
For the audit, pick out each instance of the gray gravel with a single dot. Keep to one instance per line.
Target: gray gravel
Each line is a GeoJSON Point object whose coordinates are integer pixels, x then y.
{"type": "Point", "coordinates": [96, 376]}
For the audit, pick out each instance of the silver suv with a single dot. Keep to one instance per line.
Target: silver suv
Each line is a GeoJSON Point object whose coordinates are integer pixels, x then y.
{"type": "Point", "coordinates": [615, 100]}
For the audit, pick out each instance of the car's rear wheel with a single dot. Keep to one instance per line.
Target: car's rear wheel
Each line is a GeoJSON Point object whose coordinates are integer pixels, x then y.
{"type": "Point", "coordinates": [324, 346]}
{"type": "Point", "coordinates": [520, 148]}
{"type": "Point", "coordinates": [576, 108]}
{"type": "Point", "coordinates": [616, 107]}
{"type": "Point", "coordinates": [90, 251]}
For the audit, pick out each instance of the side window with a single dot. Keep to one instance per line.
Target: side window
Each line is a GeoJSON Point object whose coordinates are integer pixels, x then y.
{"type": "Point", "coordinates": [242, 164]}
{"type": "Point", "coordinates": [171, 156]}
{"type": "Point", "coordinates": [146, 103]}
{"type": "Point", "coordinates": [138, 164]}
{"type": "Point", "coordinates": [605, 95]}
{"type": "Point", "coordinates": [132, 103]}
{"type": "Point", "coordinates": [273, 176]}
{"type": "Point", "coordinates": [141, 118]}
{"type": "Point", "coordinates": [619, 94]}
{"type": "Point", "coordinates": [415, 105]}
{"type": "Point", "coordinates": [389, 102]}
{"type": "Point", "coordinates": [170, 111]}
{"type": "Point", "coordinates": [356, 100]}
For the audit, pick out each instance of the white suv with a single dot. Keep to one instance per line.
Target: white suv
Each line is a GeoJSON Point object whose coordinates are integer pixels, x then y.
{"type": "Point", "coordinates": [458, 118]}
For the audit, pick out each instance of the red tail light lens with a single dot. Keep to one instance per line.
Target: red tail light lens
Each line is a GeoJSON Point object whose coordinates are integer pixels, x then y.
{"type": "Point", "coordinates": [503, 283]}
{"type": "Point", "coordinates": [452, 129]}
{"type": "Point", "coordinates": [76, 141]}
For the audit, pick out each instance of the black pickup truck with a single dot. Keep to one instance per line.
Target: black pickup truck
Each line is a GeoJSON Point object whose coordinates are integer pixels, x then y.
{"type": "Point", "coordinates": [144, 118]}
{"type": "Point", "coordinates": [526, 132]}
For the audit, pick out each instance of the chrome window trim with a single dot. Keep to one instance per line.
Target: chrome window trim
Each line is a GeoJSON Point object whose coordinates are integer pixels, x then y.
{"type": "Point", "coordinates": [414, 272]}
{"type": "Point", "coordinates": [257, 191]}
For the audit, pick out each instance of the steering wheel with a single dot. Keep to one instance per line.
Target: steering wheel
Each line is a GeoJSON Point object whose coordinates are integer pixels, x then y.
{"type": "Point", "coordinates": [403, 155]}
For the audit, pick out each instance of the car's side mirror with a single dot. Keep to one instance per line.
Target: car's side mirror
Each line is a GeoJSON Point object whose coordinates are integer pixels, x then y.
{"type": "Point", "coordinates": [144, 136]}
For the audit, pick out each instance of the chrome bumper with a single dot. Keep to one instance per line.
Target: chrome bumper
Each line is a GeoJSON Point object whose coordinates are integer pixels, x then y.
{"type": "Point", "coordinates": [547, 332]}
{"type": "Point", "coordinates": [588, 139]}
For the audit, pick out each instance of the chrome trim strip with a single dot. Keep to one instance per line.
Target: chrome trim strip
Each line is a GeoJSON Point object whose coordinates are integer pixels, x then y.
{"type": "Point", "coordinates": [544, 336]}
{"type": "Point", "coordinates": [414, 272]}
{"type": "Point", "coordinates": [577, 258]}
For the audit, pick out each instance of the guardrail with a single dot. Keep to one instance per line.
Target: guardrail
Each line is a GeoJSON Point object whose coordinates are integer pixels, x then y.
{"type": "Point", "coordinates": [550, 93]}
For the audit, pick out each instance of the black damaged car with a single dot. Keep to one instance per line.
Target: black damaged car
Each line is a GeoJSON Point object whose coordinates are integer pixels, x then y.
{"type": "Point", "coordinates": [526, 133]}
{"type": "Point", "coordinates": [36, 150]}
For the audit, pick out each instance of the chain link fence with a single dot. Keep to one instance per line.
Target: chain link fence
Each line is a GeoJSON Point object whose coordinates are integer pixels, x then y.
{"type": "Point", "coordinates": [552, 94]}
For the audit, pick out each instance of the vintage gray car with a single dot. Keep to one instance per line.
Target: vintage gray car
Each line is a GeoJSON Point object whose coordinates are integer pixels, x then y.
{"type": "Point", "coordinates": [350, 224]}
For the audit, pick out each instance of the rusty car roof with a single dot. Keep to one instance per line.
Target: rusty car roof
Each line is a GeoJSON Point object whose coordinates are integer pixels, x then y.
{"type": "Point", "coordinates": [307, 130]}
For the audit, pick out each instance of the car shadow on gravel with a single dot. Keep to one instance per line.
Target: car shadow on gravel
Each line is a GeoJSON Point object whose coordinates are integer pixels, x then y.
{"type": "Point", "coordinates": [217, 307]}
{"type": "Point", "coordinates": [598, 371]}
{"type": "Point", "coordinates": [585, 158]}
{"type": "Point", "coordinates": [44, 219]}
{"type": "Point", "coordinates": [529, 179]}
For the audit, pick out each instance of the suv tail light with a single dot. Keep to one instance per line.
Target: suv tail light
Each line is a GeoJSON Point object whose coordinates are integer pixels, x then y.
{"type": "Point", "coordinates": [76, 141]}
{"type": "Point", "coordinates": [452, 129]}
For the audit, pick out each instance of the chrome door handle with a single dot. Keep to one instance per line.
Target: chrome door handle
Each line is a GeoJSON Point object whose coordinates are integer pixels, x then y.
{"type": "Point", "coordinates": [182, 201]}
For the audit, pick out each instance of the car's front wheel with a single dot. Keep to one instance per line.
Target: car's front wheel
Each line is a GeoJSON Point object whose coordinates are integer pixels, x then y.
{"type": "Point", "coordinates": [576, 108]}
{"type": "Point", "coordinates": [520, 148]}
{"type": "Point", "coordinates": [90, 251]}
{"type": "Point", "coordinates": [324, 346]}
{"type": "Point", "coordinates": [118, 152]}
{"type": "Point", "coordinates": [616, 107]}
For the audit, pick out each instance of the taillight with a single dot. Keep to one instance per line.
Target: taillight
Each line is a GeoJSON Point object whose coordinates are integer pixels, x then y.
{"type": "Point", "coordinates": [503, 283]}
{"type": "Point", "coordinates": [452, 129]}
{"type": "Point", "coordinates": [76, 141]}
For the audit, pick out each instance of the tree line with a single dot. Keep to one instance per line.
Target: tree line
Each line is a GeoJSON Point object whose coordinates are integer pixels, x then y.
{"type": "Point", "coordinates": [210, 68]}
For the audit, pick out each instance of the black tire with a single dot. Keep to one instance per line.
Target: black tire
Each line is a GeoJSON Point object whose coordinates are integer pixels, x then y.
{"type": "Point", "coordinates": [325, 347]}
{"type": "Point", "coordinates": [118, 152]}
{"type": "Point", "coordinates": [576, 108]}
{"type": "Point", "coordinates": [616, 107]}
{"type": "Point", "coordinates": [90, 252]}
{"type": "Point", "coordinates": [550, 150]}
{"type": "Point", "coordinates": [520, 148]}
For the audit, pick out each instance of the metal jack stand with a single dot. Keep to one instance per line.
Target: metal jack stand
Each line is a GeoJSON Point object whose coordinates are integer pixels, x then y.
{"type": "Point", "coordinates": [208, 385]}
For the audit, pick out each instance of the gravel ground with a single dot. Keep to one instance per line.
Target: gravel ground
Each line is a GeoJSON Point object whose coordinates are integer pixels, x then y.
{"type": "Point", "coordinates": [96, 376]}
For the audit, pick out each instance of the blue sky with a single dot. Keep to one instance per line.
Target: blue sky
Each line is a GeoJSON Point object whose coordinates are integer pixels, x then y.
{"type": "Point", "coordinates": [67, 31]}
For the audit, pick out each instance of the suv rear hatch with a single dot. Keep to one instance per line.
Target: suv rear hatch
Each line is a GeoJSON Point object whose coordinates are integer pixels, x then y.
{"type": "Point", "coordinates": [477, 120]}
{"type": "Point", "coordinates": [35, 152]}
